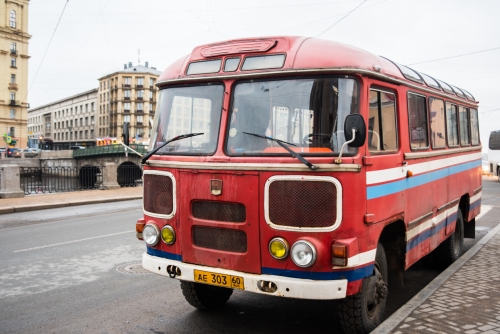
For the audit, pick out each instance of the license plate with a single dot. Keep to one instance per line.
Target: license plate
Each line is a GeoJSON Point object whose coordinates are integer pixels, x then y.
{"type": "Point", "coordinates": [228, 281]}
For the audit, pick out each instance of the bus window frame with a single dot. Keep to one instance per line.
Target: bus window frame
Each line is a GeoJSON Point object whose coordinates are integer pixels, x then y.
{"type": "Point", "coordinates": [382, 89]}
{"type": "Point", "coordinates": [430, 126]}
{"type": "Point", "coordinates": [427, 120]}
{"type": "Point", "coordinates": [242, 63]}
{"type": "Point", "coordinates": [478, 129]}
{"type": "Point", "coordinates": [458, 124]}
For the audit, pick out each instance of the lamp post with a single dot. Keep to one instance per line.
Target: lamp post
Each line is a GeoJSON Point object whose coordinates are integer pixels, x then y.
{"type": "Point", "coordinates": [70, 134]}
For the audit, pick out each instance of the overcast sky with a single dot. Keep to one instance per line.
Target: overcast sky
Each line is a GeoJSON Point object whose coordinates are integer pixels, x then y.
{"type": "Point", "coordinates": [96, 37]}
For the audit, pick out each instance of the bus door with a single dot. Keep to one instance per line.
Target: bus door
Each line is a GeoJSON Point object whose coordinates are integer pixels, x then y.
{"type": "Point", "coordinates": [383, 161]}
{"type": "Point", "coordinates": [219, 219]}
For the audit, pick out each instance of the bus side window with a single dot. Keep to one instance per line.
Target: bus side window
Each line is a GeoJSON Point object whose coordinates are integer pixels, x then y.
{"type": "Point", "coordinates": [437, 120]}
{"type": "Point", "coordinates": [382, 134]}
{"type": "Point", "coordinates": [463, 114]}
{"type": "Point", "coordinates": [474, 127]}
{"type": "Point", "coordinates": [418, 121]}
{"type": "Point", "coordinates": [451, 124]}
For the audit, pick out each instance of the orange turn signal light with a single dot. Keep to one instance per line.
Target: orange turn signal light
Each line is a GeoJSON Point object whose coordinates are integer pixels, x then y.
{"type": "Point", "coordinates": [409, 173]}
{"type": "Point", "coordinates": [339, 250]}
{"type": "Point", "coordinates": [139, 226]}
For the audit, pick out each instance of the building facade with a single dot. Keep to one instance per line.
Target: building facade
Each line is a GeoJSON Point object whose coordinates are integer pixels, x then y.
{"type": "Point", "coordinates": [64, 123]}
{"type": "Point", "coordinates": [129, 95]}
{"type": "Point", "coordinates": [14, 39]}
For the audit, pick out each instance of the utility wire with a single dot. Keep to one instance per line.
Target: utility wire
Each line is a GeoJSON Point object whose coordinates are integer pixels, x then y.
{"type": "Point", "coordinates": [330, 27]}
{"type": "Point", "coordinates": [47, 49]}
{"type": "Point", "coordinates": [462, 55]}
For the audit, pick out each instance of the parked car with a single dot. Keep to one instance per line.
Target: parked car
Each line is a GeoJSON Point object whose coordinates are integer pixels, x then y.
{"type": "Point", "coordinates": [29, 153]}
{"type": "Point", "coordinates": [13, 152]}
{"type": "Point", "coordinates": [77, 147]}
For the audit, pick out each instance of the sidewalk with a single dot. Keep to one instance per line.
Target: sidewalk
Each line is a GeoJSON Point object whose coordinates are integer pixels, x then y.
{"type": "Point", "coordinates": [465, 298]}
{"type": "Point", "coordinates": [57, 200]}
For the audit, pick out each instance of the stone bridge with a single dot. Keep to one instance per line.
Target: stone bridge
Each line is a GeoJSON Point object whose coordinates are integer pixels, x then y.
{"type": "Point", "coordinates": [117, 169]}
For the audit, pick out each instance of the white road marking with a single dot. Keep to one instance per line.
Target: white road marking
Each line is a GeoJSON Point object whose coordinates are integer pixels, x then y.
{"type": "Point", "coordinates": [484, 210]}
{"type": "Point", "coordinates": [72, 241]}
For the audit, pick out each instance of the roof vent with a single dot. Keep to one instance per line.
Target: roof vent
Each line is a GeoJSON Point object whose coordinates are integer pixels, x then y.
{"type": "Point", "coordinates": [130, 64]}
{"type": "Point", "coordinates": [147, 64]}
{"type": "Point", "coordinates": [124, 66]}
{"type": "Point", "coordinates": [233, 47]}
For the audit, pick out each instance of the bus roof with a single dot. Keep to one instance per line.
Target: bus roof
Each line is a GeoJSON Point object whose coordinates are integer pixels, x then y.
{"type": "Point", "coordinates": [297, 54]}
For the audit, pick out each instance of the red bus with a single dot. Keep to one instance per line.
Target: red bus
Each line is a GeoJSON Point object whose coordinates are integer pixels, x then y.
{"type": "Point", "coordinates": [305, 168]}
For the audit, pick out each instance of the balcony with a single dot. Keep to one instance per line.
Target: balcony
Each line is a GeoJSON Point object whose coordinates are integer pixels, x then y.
{"type": "Point", "coordinates": [139, 86]}
{"type": "Point", "coordinates": [12, 86]}
{"type": "Point", "coordinates": [126, 110]}
{"type": "Point", "coordinates": [140, 98]}
{"type": "Point", "coordinates": [13, 52]}
{"type": "Point", "coordinates": [14, 102]}
{"type": "Point", "coordinates": [139, 111]}
{"type": "Point", "coordinates": [138, 124]}
{"type": "Point", "coordinates": [126, 86]}
{"type": "Point", "coordinates": [126, 98]}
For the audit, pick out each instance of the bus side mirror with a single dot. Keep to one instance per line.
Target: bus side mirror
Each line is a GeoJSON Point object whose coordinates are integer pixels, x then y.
{"type": "Point", "coordinates": [355, 122]}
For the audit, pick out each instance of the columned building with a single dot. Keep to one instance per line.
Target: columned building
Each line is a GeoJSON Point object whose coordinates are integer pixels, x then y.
{"type": "Point", "coordinates": [64, 123]}
{"type": "Point", "coordinates": [14, 39]}
{"type": "Point", "coordinates": [128, 95]}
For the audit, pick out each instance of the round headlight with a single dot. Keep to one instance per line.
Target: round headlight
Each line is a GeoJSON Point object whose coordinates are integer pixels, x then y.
{"type": "Point", "coordinates": [278, 247]}
{"type": "Point", "coordinates": [303, 253]}
{"type": "Point", "coordinates": [151, 234]}
{"type": "Point", "coordinates": [168, 234]}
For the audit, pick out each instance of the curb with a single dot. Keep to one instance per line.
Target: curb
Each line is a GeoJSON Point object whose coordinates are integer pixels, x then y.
{"type": "Point", "coordinates": [400, 315]}
{"type": "Point", "coordinates": [34, 207]}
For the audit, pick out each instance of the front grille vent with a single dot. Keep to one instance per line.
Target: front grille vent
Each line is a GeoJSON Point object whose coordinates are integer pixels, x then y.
{"type": "Point", "coordinates": [219, 211]}
{"type": "Point", "coordinates": [302, 204]}
{"type": "Point", "coordinates": [221, 239]}
{"type": "Point", "coordinates": [158, 194]}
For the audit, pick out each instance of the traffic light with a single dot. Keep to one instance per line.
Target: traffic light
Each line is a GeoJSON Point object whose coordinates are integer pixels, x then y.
{"type": "Point", "coordinates": [126, 134]}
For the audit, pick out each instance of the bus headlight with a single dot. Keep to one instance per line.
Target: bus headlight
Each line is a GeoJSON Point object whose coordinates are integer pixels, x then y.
{"type": "Point", "coordinates": [278, 247]}
{"type": "Point", "coordinates": [151, 234]}
{"type": "Point", "coordinates": [303, 253]}
{"type": "Point", "coordinates": [168, 234]}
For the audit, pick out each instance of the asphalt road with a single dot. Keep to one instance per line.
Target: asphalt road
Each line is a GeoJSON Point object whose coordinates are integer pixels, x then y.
{"type": "Point", "coordinates": [77, 271]}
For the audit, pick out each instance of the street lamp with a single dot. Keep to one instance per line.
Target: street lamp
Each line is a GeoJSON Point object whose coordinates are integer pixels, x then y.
{"type": "Point", "coordinates": [70, 134]}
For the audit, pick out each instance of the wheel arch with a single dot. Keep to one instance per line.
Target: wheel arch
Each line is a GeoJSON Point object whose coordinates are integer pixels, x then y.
{"type": "Point", "coordinates": [393, 240]}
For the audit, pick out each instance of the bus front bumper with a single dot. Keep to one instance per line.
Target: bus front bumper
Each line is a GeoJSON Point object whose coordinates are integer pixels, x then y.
{"type": "Point", "coordinates": [286, 286]}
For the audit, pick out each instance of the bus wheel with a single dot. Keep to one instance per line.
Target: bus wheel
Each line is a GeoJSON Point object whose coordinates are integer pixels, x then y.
{"type": "Point", "coordinates": [205, 297]}
{"type": "Point", "coordinates": [451, 249]}
{"type": "Point", "coordinates": [362, 312]}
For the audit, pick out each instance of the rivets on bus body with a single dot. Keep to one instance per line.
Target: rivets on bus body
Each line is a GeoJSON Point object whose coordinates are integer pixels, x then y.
{"type": "Point", "coordinates": [409, 173]}
{"type": "Point", "coordinates": [377, 68]}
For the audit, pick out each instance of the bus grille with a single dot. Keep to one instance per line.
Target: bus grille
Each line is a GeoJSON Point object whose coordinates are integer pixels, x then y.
{"type": "Point", "coordinates": [158, 194]}
{"type": "Point", "coordinates": [220, 239]}
{"type": "Point", "coordinates": [219, 211]}
{"type": "Point", "coordinates": [308, 204]}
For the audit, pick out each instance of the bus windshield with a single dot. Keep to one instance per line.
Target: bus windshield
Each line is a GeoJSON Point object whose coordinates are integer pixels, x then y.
{"type": "Point", "coordinates": [186, 110]}
{"type": "Point", "coordinates": [306, 113]}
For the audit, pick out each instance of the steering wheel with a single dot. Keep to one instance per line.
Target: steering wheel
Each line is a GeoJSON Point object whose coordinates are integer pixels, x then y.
{"type": "Point", "coordinates": [323, 138]}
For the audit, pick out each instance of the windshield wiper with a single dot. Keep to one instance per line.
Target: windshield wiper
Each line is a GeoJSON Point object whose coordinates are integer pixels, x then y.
{"type": "Point", "coordinates": [148, 155]}
{"type": "Point", "coordinates": [283, 144]}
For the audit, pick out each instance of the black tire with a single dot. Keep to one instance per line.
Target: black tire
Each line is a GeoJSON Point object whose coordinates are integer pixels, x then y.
{"type": "Point", "coordinates": [361, 313]}
{"type": "Point", "coordinates": [452, 248]}
{"type": "Point", "coordinates": [205, 297]}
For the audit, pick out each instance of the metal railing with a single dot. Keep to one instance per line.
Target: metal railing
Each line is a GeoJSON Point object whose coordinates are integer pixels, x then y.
{"type": "Point", "coordinates": [59, 179]}
{"type": "Point", "coordinates": [115, 149]}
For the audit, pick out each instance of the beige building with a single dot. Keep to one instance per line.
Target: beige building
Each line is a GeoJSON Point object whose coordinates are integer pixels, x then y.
{"type": "Point", "coordinates": [14, 39]}
{"type": "Point", "coordinates": [64, 123]}
{"type": "Point", "coordinates": [128, 95]}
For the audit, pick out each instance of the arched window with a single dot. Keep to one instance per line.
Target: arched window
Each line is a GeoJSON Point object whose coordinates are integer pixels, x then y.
{"type": "Point", "coordinates": [12, 18]}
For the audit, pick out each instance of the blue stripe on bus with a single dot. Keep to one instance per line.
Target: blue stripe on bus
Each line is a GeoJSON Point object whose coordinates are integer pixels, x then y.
{"type": "Point", "coordinates": [351, 275]}
{"type": "Point", "coordinates": [166, 255]}
{"type": "Point", "coordinates": [415, 181]}
{"type": "Point", "coordinates": [475, 204]}
{"type": "Point", "coordinates": [429, 233]}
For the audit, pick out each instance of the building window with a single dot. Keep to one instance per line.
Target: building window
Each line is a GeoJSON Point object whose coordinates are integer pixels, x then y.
{"type": "Point", "coordinates": [140, 94]}
{"type": "Point", "coordinates": [12, 96]}
{"type": "Point", "coordinates": [126, 106]}
{"type": "Point", "coordinates": [127, 94]}
{"type": "Point", "coordinates": [13, 19]}
{"type": "Point", "coordinates": [139, 120]}
{"type": "Point", "coordinates": [12, 131]}
{"type": "Point", "coordinates": [126, 118]}
{"type": "Point", "coordinates": [12, 78]}
{"type": "Point", "coordinates": [151, 82]}
{"type": "Point", "coordinates": [140, 82]}
{"type": "Point", "coordinates": [126, 81]}
{"type": "Point", "coordinates": [13, 48]}
{"type": "Point", "coordinates": [86, 121]}
{"type": "Point", "coordinates": [140, 106]}
{"type": "Point", "coordinates": [92, 120]}
{"type": "Point", "coordinates": [12, 113]}
{"type": "Point", "coordinates": [13, 62]}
